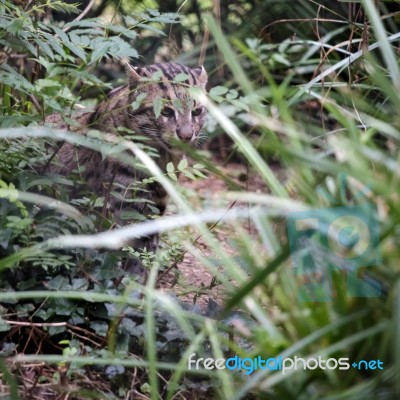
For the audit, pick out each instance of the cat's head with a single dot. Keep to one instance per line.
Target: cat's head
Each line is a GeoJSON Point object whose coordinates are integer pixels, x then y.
{"type": "Point", "coordinates": [160, 104]}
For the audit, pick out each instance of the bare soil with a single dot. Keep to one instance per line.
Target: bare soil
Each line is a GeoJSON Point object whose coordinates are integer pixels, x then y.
{"type": "Point", "coordinates": [193, 276]}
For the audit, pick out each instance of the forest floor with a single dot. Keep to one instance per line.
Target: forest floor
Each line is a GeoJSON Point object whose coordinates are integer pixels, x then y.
{"type": "Point", "coordinates": [190, 281]}
{"type": "Point", "coordinates": [204, 291]}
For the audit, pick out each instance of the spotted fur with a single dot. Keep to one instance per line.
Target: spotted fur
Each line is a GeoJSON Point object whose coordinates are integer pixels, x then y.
{"type": "Point", "coordinates": [180, 117]}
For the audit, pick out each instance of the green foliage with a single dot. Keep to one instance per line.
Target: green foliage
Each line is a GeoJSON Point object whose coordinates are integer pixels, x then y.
{"type": "Point", "coordinates": [314, 119]}
{"type": "Point", "coordinates": [62, 56]}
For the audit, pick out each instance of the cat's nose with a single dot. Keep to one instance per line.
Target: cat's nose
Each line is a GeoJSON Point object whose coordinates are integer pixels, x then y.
{"type": "Point", "coordinates": [184, 133]}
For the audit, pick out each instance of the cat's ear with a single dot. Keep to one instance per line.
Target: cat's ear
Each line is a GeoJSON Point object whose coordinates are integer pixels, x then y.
{"type": "Point", "coordinates": [133, 73]}
{"type": "Point", "coordinates": [201, 75]}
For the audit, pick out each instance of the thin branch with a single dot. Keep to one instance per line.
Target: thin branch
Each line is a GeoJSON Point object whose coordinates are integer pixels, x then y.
{"type": "Point", "coordinates": [78, 18]}
{"type": "Point", "coordinates": [37, 324]}
{"type": "Point", "coordinates": [82, 14]}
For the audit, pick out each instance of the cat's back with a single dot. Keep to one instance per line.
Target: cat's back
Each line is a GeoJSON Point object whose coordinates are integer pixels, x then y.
{"type": "Point", "coordinates": [67, 155]}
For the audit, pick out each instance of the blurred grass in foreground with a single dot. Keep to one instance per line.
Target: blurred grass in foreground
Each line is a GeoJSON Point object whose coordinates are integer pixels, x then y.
{"type": "Point", "coordinates": [336, 141]}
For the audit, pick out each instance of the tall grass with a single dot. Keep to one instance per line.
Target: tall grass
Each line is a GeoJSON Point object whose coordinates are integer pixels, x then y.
{"type": "Point", "coordinates": [336, 141]}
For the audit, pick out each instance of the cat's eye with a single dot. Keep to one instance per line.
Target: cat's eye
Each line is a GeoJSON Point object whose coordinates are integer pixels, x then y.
{"type": "Point", "coordinates": [167, 112]}
{"type": "Point", "coordinates": [197, 111]}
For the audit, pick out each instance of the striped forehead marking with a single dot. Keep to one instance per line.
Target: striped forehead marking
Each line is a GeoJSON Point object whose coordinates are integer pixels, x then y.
{"type": "Point", "coordinates": [170, 70]}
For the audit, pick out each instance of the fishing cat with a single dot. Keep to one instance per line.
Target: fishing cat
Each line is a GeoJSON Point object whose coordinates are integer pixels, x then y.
{"type": "Point", "coordinates": [133, 107]}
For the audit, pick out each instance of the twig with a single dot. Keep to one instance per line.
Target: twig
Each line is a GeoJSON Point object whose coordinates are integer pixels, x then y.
{"type": "Point", "coordinates": [81, 15]}
{"type": "Point", "coordinates": [78, 18]}
{"type": "Point", "coordinates": [38, 324]}
{"type": "Point", "coordinates": [182, 255]}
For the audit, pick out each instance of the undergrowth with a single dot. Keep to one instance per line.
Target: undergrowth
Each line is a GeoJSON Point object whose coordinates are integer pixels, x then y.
{"type": "Point", "coordinates": [314, 119]}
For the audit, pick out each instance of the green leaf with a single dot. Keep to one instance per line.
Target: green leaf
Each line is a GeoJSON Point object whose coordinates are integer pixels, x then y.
{"type": "Point", "coordinates": [138, 101]}
{"type": "Point", "coordinates": [42, 83]}
{"type": "Point", "coordinates": [233, 94]}
{"type": "Point", "coordinates": [157, 76]}
{"type": "Point", "coordinates": [158, 104]}
{"type": "Point", "coordinates": [198, 173]}
{"type": "Point", "coordinates": [152, 29]}
{"type": "Point", "coordinates": [178, 104]}
{"type": "Point", "coordinates": [16, 26]}
{"type": "Point", "coordinates": [198, 166]}
{"type": "Point", "coordinates": [165, 20]}
{"type": "Point", "coordinates": [135, 105]}
{"type": "Point", "coordinates": [141, 97]}
{"type": "Point", "coordinates": [63, 6]}
{"type": "Point", "coordinates": [101, 48]}
{"type": "Point", "coordinates": [62, 35]}
{"type": "Point", "coordinates": [4, 326]}
{"type": "Point", "coordinates": [173, 176]}
{"type": "Point", "coordinates": [153, 12]}
{"type": "Point", "coordinates": [121, 30]}
{"type": "Point", "coordinates": [189, 175]}
{"type": "Point", "coordinates": [15, 79]}
{"type": "Point", "coordinates": [119, 48]}
{"type": "Point", "coordinates": [218, 99]}
{"type": "Point", "coordinates": [218, 91]}
{"type": "Point", "coordinates": [45, 48]}
{"type": "Point", "coordinates": [86, 23]}
{"type": "Point", "coordinates": [280, 59]}
{"type": "Point", "coordinates": [76, 50]}
{"type": "Point", "coordinates": [183, 164]}
{"type": "Point", "coordinates": [181, 77]}
{"type": "Point", "coordinates": [129, 21]}
{"type": "Point", "coordinates": [170, 167]}
{"type": "Point", "coordinates": [55, 44]}
{"type": "Point", "coordinates": [76, 39]}
{"type": "Point", "coordinates": [240, 105]}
